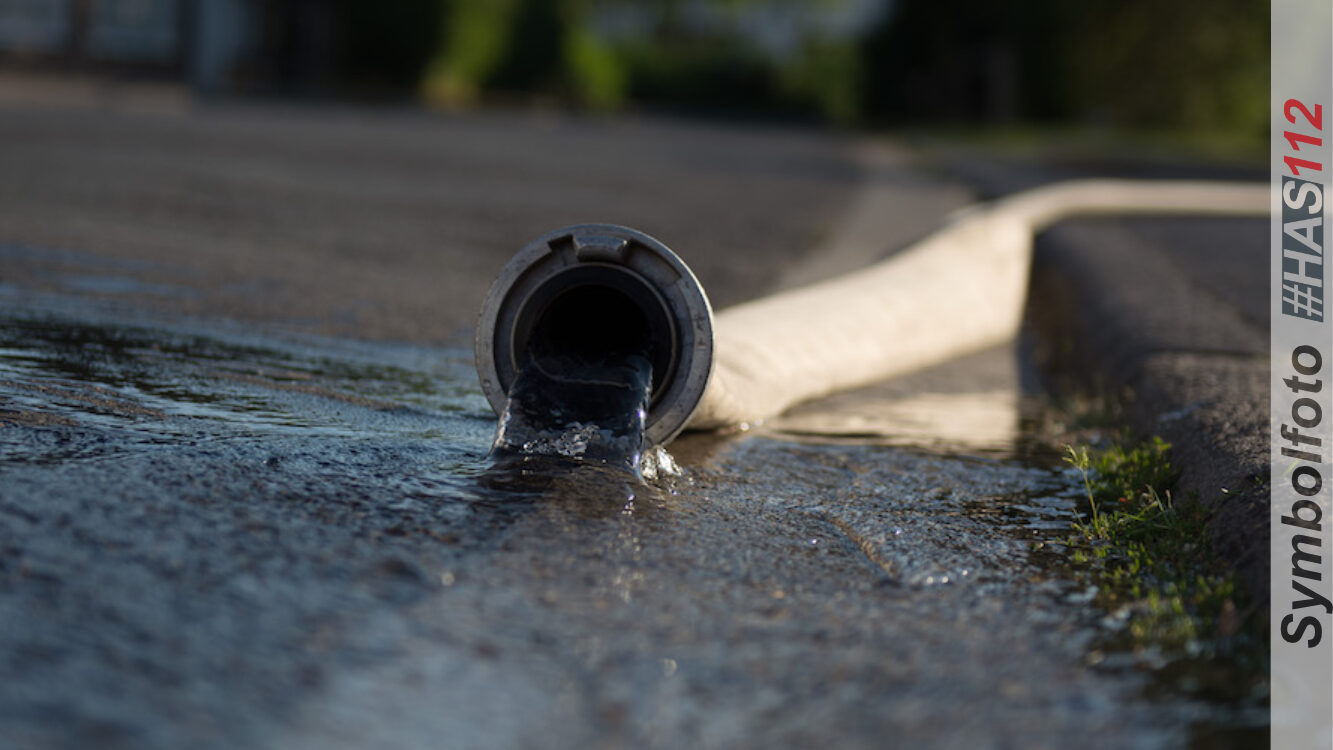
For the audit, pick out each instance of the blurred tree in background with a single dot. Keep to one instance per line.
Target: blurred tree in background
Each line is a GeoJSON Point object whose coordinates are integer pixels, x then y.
{"type": "Point", "coordinates": [1188, 64]}
{"type": "Point", "coordinates": [781, 57]}
{"type": "Point", "coordinates": [689, 54]}
{"type": "Point", "coordinates": [537, 47]}
{"type": "Point", "coordinates": [1197, 65]}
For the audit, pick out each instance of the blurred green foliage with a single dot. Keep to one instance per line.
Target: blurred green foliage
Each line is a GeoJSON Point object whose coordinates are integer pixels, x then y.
{"type": "Point", "coordinates": [1189, 65]}
{"type": "Point", "coordinates": [1186, 65]}
{"type": "Point", "coordinates": [474, 39]}
{"type": "Point", "coordinates": [540, 47]}
{"type": "Point", "coordinates": [554, 49]}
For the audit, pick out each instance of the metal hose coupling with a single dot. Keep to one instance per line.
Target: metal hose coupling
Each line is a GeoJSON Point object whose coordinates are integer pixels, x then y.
{"type": "Point", "coordinates": [592, 285]}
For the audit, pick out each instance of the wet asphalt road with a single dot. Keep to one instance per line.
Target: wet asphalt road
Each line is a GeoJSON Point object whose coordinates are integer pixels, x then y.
{"type": "Point", "coordinates": [218, 539]}
{"type": "Point", "coordinates": [215, 537]}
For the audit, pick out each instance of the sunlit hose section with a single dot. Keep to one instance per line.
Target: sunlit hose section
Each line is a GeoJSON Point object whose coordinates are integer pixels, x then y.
{"type": "Point", "coordinates": [958, 290]}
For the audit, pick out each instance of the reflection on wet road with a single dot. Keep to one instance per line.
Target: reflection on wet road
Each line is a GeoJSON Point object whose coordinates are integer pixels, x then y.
{"type": "Point", "coordinates": [215, 538]}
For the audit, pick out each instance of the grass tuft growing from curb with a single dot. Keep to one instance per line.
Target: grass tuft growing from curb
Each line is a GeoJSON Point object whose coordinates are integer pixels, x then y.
{"type": "Point", "coordinates": [1150, 558]}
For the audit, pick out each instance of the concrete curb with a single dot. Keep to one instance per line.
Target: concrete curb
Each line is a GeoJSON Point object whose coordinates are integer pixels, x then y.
{"type": "Point", "coordinates": [1167, 318]}
{"type": "Point", "coordinates": [1113, 309]}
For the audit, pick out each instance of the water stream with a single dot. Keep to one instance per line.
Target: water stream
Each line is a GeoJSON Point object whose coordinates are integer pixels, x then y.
{"type": "Point", "coordinates": [218, 538]}
{"type": "Point", "coordinates": [588, 409]}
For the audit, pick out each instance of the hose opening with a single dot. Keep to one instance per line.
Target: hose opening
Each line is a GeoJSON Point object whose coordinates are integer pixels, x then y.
{"type": "Point", "coordinates": [593, 313]}
{"type": "Point", "coordinates": [600, 293]}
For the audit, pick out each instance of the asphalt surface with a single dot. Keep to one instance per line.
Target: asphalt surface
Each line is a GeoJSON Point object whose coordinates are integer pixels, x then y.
{"type": "Point", "coordinates": [221, 537]}
{"type": "Point", "coordinates": [389, 225]}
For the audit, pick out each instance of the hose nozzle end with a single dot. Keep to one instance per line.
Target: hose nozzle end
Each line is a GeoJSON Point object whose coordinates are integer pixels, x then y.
{"type": "Point", "coordinates": [601, 287]}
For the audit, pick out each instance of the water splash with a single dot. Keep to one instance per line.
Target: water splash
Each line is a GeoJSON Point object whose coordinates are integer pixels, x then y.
{"type": "Point", "coordinates": [586, 408]}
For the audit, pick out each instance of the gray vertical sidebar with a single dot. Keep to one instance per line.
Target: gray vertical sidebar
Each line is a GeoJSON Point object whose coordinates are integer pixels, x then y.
{"type": "Point", "coordinates": [1301, 363]}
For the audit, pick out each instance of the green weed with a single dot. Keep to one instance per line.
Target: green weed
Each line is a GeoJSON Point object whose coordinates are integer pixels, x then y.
{"type": "Point", "coordinates": [1150, 556]}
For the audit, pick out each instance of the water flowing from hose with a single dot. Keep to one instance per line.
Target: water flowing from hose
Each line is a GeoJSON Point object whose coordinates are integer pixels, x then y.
{"type": "Point", "coordinates": [591, 408]}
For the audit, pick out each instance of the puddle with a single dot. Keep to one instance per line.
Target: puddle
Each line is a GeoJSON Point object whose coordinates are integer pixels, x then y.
{"type": "Point", "coordinates": [958, 422]}
{"type": "Point", "coordinates": [980, 404]}
{"type": "Point", "coordinates": [217, 538]}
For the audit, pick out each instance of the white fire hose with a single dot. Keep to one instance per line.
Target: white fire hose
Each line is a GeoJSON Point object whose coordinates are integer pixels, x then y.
{"type": "Point", "coordinates": [959, 290]}
{"type": "Point", "coordinates": [956, 291]}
